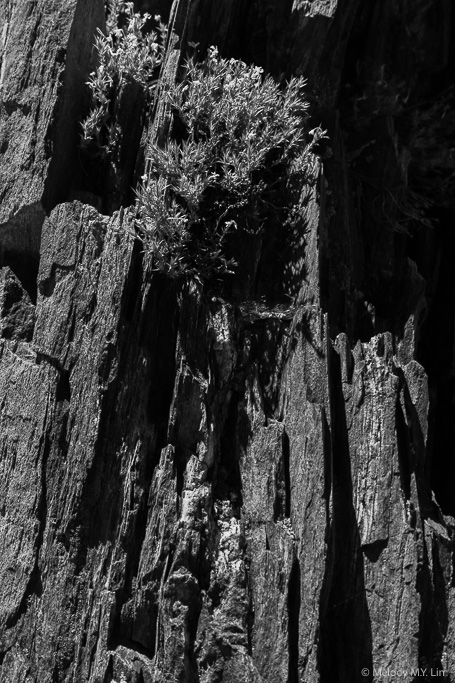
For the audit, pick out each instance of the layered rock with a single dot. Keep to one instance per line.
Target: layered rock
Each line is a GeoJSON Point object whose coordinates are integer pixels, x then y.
{"type": "Point", "coordinates": [238, 482]}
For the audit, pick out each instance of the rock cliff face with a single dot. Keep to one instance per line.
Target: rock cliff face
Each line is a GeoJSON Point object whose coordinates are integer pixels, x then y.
{"type": "Point", "coordinates": [252, 483]}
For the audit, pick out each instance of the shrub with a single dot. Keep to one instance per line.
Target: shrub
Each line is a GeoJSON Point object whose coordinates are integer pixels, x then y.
{"type": "Point", "coordinates": [126, 55]}
{"type": "Point", "coordinates": [238, 143]}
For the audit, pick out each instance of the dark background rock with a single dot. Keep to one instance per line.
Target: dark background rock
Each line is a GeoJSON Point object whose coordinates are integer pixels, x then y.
{"type": "Point", "coordinates": [252, 482]}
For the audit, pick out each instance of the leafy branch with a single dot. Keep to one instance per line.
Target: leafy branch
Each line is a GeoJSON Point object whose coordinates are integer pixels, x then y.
{"type": "Point", "coordinates": [239, 141]}
{"type": "Point", "coordinates": [126, 55]}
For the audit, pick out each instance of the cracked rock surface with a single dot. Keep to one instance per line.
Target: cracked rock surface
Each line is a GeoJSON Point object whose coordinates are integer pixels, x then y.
{"type": "Point", "coordinates": [253, 482]}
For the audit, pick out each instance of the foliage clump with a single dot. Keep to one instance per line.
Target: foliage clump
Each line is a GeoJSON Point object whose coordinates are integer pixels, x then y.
{"type": "Point", "coordinates": [127, 55]}
{"type": "Point", "coordinates": [238, 143]}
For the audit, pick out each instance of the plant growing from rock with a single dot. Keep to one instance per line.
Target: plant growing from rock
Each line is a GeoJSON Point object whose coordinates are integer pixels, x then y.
{"type": "Point", "coordinates": [127, 55]}
{"type": "Point", "coordinates": [238, 143]}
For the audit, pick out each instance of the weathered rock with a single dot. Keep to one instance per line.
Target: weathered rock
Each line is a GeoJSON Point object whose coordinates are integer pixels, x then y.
{"type": "Point", "coordinates": [45, 58]}
{"type": "Point", "coordinates": [230, 482]}
{"type": "Point", "coordinates": [17, 313]}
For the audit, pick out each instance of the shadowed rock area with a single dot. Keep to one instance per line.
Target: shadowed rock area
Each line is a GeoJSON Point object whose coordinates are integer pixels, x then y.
{"type": "Point", "coordinates": [248, 480]}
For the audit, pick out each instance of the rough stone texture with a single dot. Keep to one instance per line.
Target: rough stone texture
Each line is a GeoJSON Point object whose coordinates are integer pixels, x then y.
{"type": "Point", "coordinates": [46, 48]}
{"type": "Point", "coordinates": [17, 318]}
{"type": "Point", "coordinates": [249, 482]}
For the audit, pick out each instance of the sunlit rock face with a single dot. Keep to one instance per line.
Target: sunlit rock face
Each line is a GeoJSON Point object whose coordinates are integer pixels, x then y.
{"type": "Point", "coordinates": [248, 479]}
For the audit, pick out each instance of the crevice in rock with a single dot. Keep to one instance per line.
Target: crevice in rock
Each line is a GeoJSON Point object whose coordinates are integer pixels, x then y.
{"type": "Point", "coordinates": [294, 604]}
{"type": "Point", "coordinates": [345, 644]}
{"type": "Point", "coordinates": [404, 450]}
{"type": "Point", "coordinates": [138, 534]}
{"type": "Point", "coordinates": [101, 496]}
{"type": "Point", "coordinates": [442, 464]}
{"type": "Point", "coordinates": [327, 441]}
{"type": "Point", "coordinates": [157, 331]}
{"type": "Point", "coordinates": [150, 336]}
{"type": "Point", "coordinates": [62, 138]}
{"type": "Point", "coordinates": [268, 351]}
{"type": "Point", "coordinates": [20, 239]}
{"type": "Point", "coordinates": [63, 389]}
{"type": "Point", "coordinates": [228, 484]}
{"type": "Point", "coordinates": [132, 293]}
{"type": "Point", "coordinates": [191, 663]}
{"type": "Point", "coordinates": [436, 352]}
{"type": "Point", "coordinates": [441, 608]}
{"type": "Point", "coordinates": [433, 617]}
{"type": "Point", "coordinates": [287, 474]}
{"type": "Point", "coordinates": [282, 501]}
{"type": "Point", "coordinates": [136, 630]}
{"type": "Point", "coordinates": [109, 673]}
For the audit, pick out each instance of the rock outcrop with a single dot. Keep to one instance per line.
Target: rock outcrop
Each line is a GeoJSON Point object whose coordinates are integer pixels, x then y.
{"type": "Point", "coordinates": [250, 481]}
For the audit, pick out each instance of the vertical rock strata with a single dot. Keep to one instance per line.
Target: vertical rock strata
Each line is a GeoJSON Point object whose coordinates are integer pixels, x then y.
{"type": "Point", "coordinates": [239, 485]}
